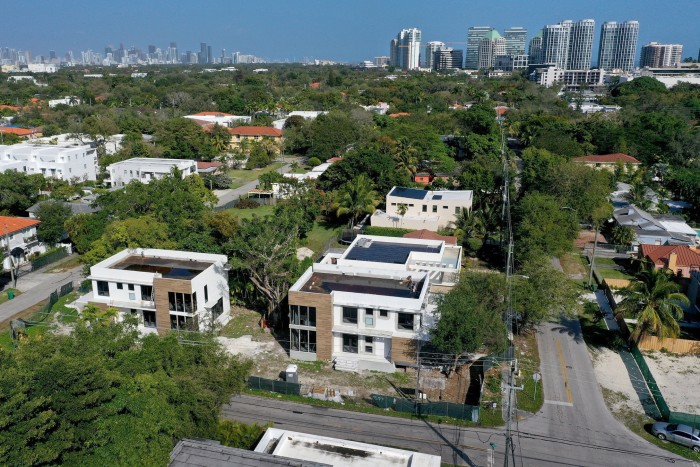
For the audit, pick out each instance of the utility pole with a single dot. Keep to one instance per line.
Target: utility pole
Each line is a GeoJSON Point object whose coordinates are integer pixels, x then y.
{"type": "Point", "coordinates": [9, 257]}
{"type": "Point", "coordinates": [595, 244]}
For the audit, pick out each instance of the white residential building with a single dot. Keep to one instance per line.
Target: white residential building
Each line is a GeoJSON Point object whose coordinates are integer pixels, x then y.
{"type": "Point", "coordinates": [70, 101]}
{"type": "Point", "coordinates": [219, 118]}
{"type": "Point", "coordinates": [305, 114]}
{"type": "Point", "coordinates": [366, 308]}
{"type": "Point", "coordinates": [62, 161]}
{"type": "Point", "coordinates": [431, 210]}
{"type": "Point", "coordinates": [112, 143]}
{"type": "Point", "coordinates": [145, 169]}
{"type": "Point", "coordinates": [165, 289]}
{"type": "Point", "coordinates": [18, 236]}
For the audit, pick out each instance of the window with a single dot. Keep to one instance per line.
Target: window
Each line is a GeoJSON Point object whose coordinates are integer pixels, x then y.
{"type": "Point", "coordinates": [130, 287]}
{"type": "Point", "coordinates": [181, 322]}
{"type": "Point", "coordinates": [410, 205]}
{"type": "Point", "coordinates": [405, 321]}
{"type": "Point", "coordinates": [303, 340]}
{"type": "Point", "coordinates": [349, 315]}
{"type": "Point", "coordinates": [302, 315]}
{"type": "Point", "coordinates": [434, 208]}
{"type": "Point", "coordinates": [445, 207]}
{"type": "Point", "coordinates": [217, 309]}
{"type": "Point", "coordinates": [369, 317]}
{"type": "Point", "coordinates": [383, 313]}
{"type": "Point", "coordinates": [182, 302]}
{"type": "Point", "coordinates": [393, 204]}
{"type": "Point", "coordinates": [147, 293]}
{"type": "Point", "coordinates": [149, 318]}
{"type": "Point", "coordinates": [425, 208]}
{"type": "Point", "coordinates": [120, 286]}
{"type": "Point", "coordinates": [206, 294]}
{"type": "Point", "coordinates": [349, 343]}
{"type": "Point", "coordinates": [369, 344]}
{"type": "Point", "coordinates": [103, 288]}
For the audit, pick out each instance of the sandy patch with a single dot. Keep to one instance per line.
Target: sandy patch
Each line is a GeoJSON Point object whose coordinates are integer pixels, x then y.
{"type": "Point", "coordinates": [678, 377]}
{"type": "Point", "coordinates": [246, 347]}
{"type": "Point", "coordinates": [611, 373]}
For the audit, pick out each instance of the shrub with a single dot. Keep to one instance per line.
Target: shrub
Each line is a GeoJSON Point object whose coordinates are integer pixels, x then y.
{"type": "Point", "coordinates": [313, 161]}
{"type": "Point", "coordinates": [386, 231]}
{"type": "Point", "coordinates": [246, 203]}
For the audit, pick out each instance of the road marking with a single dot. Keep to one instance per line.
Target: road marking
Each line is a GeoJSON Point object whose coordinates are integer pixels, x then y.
{"type": "Point", "coordinates": [564, 373]}
{"type": "Point", "coordinates": [566, 404]}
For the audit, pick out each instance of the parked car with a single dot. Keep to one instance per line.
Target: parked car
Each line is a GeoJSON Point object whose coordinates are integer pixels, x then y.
{"type": "Point", "coordinates": [681, 434]}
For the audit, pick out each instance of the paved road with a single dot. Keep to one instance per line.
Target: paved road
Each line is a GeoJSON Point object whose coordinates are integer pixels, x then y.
{"type": "Point", "coordinates": [573, 428]}
{"type": "Point", "coordinates": [41, 286]}
{"type": "Point", "coordinates": [226, 196]}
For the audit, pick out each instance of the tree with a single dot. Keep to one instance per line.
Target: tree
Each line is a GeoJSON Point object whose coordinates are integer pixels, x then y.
{"type": "Point", "coordinates": [655, 301]}
{"type": "Point", "coordinates": [98, 128]}
{"type": "Point", "coordinates": [622, 236]}
{"type": "Point", "coordinates": [638, 194]}
{"type": "Point", "coordinates": [220, 138]}
{"type": "Point", "coordinates": [257, 158]}
{"type": "Point", "coordinates": [182, 138]}
{"type": "Point", "coordinates": [401, 210]}
{"type": "Point", "coordinates": [53, 216]}
{"type": "Point", "coordinates": [98, 316]}
{"type": "Point", "coordinates": [405, 156]}
{"type": "Point", "coordinates": [357, 198]}
{"type": "Point", "coordinates": [469, 317]}
{"type": "Point", "coordinates": [18, 191]}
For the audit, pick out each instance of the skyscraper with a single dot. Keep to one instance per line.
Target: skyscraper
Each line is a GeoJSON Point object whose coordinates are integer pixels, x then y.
{"type": "Point", "coordinates": [555, 43]}
{"type": "Point", "coordinates": [429, 54]}
{"type": "Point", "coordinates": [618, 44]}
{"type": "Point", "coordinates": [448, 59]}
{"type": "Point", "coordinates": [515, 40]}
{"type": "Point", "coordinates": [655, 55]}
{"type": "Point", "coordinates": [581, 45]}
{"type": "Point", "coordinates": [489, 47]}
{"type": "Point", "coordinates": [534, 50]}
{"type": "Point", "coordinates": [474, 36]}
{"type": "Point", "coordinates": [405, 49]}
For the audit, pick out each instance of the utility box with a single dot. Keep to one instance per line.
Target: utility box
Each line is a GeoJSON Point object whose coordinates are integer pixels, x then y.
{"type": "Point", "coordinates": [291, 375]}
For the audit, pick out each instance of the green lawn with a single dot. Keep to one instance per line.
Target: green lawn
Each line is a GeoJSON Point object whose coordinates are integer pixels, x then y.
{"type": "Point", "coordinates": [242, 176]}
{"type": "Point", "coordinates": [261, 211]}
{"type": "Point", "coordinates": [3, 294]}
{"type": "Point", "coordinates": [613, 274]}
{"type": "Point", "coordinates": [318, 239]}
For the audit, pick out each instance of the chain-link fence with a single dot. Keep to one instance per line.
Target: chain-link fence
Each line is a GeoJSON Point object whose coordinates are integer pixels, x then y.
{"type": "Point", "coordinates": [651, 382]}
{"type": "Point", "coordinates": [49, 258]}
{"type": "Point", "coordinates": [282, 387]}
{"type": "Point", "coordinates": [689, 419]}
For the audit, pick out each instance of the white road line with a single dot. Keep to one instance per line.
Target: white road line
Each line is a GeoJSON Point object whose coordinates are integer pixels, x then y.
{"type": "Point", "coordinates": [567, 404]}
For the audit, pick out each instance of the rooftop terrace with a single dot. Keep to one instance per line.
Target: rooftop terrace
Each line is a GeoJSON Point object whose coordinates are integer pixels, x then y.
{"type": "Point", "coordinates": [386, 252]}
{"type": "Point", "coordinates": [168, 268]}
{"type": "Point", "coordinates": [326, 283]}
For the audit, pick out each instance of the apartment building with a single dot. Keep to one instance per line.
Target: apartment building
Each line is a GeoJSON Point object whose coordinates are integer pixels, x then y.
{"type": "Point", "coordinates": [368, 307]}
{"type": "Point", "coordinates": [145, 169]}
{"type": "Point", "coordinates": [165, 289]}
{"type": "Point", "coordinates": [18, 237]}
{"type": "Point", "coordinates": [424, 209]}
{"type": "Point", "coordinates": [61, 161]}
{"type": "Point", "coordinates": [250, 134]}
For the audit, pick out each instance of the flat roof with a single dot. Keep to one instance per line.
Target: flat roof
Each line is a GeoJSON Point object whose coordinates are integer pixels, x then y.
{"type": "Point", "coordinates": [158, 161]}
{"type": "Point", "coordinates": [201, 453]}
{"type": "Point", "coordinates": [167, 267]}
{"type": "Point", "coordinates": [386, 251]}
{"type": "Point", "coordinates": [325, 283]}
{"type": "Point", "coordinates": [412, 193]}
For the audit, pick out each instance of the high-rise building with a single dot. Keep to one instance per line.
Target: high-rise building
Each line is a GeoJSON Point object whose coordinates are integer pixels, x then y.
{"type": "Point", "coordinates": [474, 36]}
{"type": "Point", "coordinates": [202, 55]}
{"type": "Point", "coordinates": [534, 50]}
{"type": "Point", "coordinates": [382, 61]}
{"type": "Point", "coordinates": [405, 49]}
{"type": "Point", "coordinates": [581, 45]}
{"type": "Point", "coordinates": [618, 44]}
{"type": "Point", "coordinates": [555, 43]}
{"type": "Point", "coordinates": [448, 59]}
{"type": "Point", "coordinates": [655, 55]}
{"type": "Point", "coordinates": [429, 54]}
{"type": "Point", "coordinates": [490, 46]}
{"type": "Point", "coordinates": [515, 40]}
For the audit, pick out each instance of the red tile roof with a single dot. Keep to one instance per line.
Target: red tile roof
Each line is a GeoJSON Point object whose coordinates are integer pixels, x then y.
{"type": "Point", "coordinates": [18, 131]}
{"type": "Point", "coordinates": [608, 158]}
{"type": "Point", "coordinates": [428, 235]}
{"type": "Point", "coordinates": [9, 107]}
{"type": "Point", "coordinates": [10, 225]}
{"type": "Point", "coordinates": [315, 85]}
{"type": "Point", "coordinates": [399, 114]}
{"type": "Point", "coordinates": [659, 254]}
{"type": "Point", "coordinates": [334, 159]}
{"type": "Point", "coordinates": [207, 165]}
{"type": "Point", "coordinates": [255, 131]}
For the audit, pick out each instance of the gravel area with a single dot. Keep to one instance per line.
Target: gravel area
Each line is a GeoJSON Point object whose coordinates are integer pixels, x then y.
{"type": "Point", "coordinates": [612, 374]}
{"type": "Point", "coordinates": [678, 376]}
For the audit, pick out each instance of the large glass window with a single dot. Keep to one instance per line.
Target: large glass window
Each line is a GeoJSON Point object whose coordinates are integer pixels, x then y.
{"type": "Point", "coordinates": [149, 318]}
{"type": "Point", "coordinates": [181, 322]}
{"type": "Point", "coordinates": [302, 315]}
{"type": "Point", "coordinates": [147, 293]}
{"type": "Point", "coordinates": [217, 309]}
{"type": "Point", "coordinates": [103, 288]}
{"type": "Point", "coordinates": [369, 344]}
{"type": "Point", "coordinates": [349, 315]}
{"type": "Point", "coordinates": [405, 321]}
{"type": "Point", "coordinates": [349, 343]}
{"type": "Point", "coordinates": [182, 302]}
{"type": "Point", "coordinates": [303, 340]}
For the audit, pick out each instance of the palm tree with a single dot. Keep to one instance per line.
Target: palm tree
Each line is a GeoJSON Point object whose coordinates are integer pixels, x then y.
{"type": "Point", "coordinates": [405, 156]}
{"type": "Point", "coordinates": [401, 210]}
{"type": "Point", "coordinates": [357, 197]}
{"type": "Point", "coordinates": [469, 224]}
{"type": "Point", "coordinates": [656, 303]}
{"type": "Point", "coordinates": [639, 194]}
{"type": "Point", "coordinates": [98, 316]}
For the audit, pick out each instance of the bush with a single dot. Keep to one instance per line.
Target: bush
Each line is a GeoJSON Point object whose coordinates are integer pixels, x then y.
{"type": "Point", "coordinates": [240, 435]}
{"type": "Point", "coordinates": [313, 161]}
{"type": "Point", "coordinates": [473, 245]}
{"type": "Point", "coordinates": [386, 231]}
{"type": "Point", "coordinates": [246, 203]}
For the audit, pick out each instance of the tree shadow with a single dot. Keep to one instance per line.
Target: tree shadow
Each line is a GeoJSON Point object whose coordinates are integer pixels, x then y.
{"type": "Point", "coordinates": [457, 453]}
{"type": "Point", "coordinates": [570, 327]}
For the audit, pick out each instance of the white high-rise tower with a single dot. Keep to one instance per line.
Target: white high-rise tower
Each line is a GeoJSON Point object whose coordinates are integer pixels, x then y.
{"type": "Point", "coordinates": [618, 45]}
{"type": "Point", "coordinates": [581, 45]}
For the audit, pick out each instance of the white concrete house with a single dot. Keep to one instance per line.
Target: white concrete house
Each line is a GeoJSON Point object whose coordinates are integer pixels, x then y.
{"type": "Point", "coordinates": [18, 236]}
{"type": "Point", "coordinates": [219, 118]}
{"type": "Point", "coordinates": [431, 210]}
{"type": "Point", "coordinates": [164, 289]}
{"type": "Point", "coordinates": [145, 169]}
{"type": "Point", "coordinates": [70, 101]}
{"type": "Point", "coordinates": [62, 161]}
{"type": "Point", "coordinates": [366, 308]}
{"type": "Point", "coordinates": [305, 114]}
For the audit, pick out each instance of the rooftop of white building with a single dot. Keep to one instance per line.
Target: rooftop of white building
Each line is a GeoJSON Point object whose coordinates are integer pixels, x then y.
{"type": "Point", "coordinates": [428, 195]}
{"type": "Point", "coordinates": [154, 162]}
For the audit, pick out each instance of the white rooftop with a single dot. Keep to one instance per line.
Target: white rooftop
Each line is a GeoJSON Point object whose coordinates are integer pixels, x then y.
{"type": "Point", "coordinates": [154, 162]}
{"type": "Point", "coordinates": [338, 452]}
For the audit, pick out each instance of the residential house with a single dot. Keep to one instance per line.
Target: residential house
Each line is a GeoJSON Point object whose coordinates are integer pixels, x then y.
{"type": "Point", "coordinates": [78, 207]}
{"type": "Point", "coordinates": [661, 229]}
{"type": "Point", "coordinates": [682, 260]}
{"type": "Point", "coordinates": [366, 308]}
{"type": "Point", "coordinates": [255, 134]}
{"type": "Point", "coordinates": [205, 452]}
{"type": "Point", "coordinates": [70, 101]}
{"type": "Point", "coordinates": [219, 118]}
{"type": "Point", "coordinates": [23, 133]}
{"type": "Point", "coordinates": [18, 238]}
{"type": "Point", "coordinates": [165, 289]}
{"type": "Point", "coordinates": [432, 210]}
{"type": "Point", "coordinates": [609, 162]}
{"type": "Point", "coordinates": [61, 161]}
{"type": "Point", "coordinates": [145, 169]}
{"type": "Point", "coordinates": [424, 178]}
{"type": "Point", "coordinates": [213, 168]}
{"type": "Point", "coordinates": [305, 114]}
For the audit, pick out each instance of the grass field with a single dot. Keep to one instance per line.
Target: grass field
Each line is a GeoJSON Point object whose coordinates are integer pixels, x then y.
{"type": "Point", "coordinates": [242, 176]}
{"type": "Point", "coordinates": [260, 211]}
{"type": "Point", "coordinates": [320, 237]}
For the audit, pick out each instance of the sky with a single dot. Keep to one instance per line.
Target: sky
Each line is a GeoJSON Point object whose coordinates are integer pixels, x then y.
{"type": "Point", "coordinates": [350, 31]}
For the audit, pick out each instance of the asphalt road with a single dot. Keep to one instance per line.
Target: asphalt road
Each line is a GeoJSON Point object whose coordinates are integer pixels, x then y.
{"type": "Point", "coordinates": [574, 427]}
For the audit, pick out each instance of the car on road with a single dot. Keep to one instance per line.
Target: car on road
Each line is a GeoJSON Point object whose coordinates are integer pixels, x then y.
{"type": "Point", "coordinates": [681, 434]}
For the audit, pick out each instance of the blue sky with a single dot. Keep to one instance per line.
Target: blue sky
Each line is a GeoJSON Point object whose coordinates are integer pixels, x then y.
{"type": "Point", "coordinates": [284, 29]}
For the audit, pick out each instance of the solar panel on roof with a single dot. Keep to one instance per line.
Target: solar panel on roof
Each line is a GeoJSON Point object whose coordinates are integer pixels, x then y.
{"type": "Point", "coordinates": [408, 193]}
{"type": "Point", "coordinates": [392, 253]}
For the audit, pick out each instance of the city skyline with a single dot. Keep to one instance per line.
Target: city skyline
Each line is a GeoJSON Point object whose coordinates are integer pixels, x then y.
{"type": "Point", "coordinates": [317, 30]}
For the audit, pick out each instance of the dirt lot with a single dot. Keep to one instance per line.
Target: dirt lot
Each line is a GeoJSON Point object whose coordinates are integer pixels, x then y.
{"type": "Point", "coordinates": [587, 237]}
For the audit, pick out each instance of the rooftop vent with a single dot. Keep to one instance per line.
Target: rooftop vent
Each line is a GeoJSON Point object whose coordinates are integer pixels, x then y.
{"type": "Point", "coordinates": [364, 243]}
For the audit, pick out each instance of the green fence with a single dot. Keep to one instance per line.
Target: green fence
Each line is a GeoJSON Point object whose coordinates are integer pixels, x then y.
{"type": "Point", "coordinates": [689, 419]}
{"type": "Point", "coordinates": [281, 387]}
{"type": "Point", "coordinates": [651, 382]}
{"type": "Point", "coordinates": [438, 409]}
{"type": "Point", "coordinates": [49, 258]}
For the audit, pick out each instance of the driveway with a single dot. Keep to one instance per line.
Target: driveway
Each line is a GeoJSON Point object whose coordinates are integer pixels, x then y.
{"type": "Point", "coordinates": [227, 196]}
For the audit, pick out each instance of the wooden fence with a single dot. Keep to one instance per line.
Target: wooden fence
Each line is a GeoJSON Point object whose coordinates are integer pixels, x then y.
{"type": "Point", "coordinates": [617, 283]}
{"type": "Point", "coordinates": [680, 346]}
